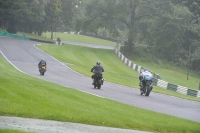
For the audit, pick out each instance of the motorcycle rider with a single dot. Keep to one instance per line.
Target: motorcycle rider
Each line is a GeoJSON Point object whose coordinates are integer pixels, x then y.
{"type": "Point", "coordinates": [42, 63]}
{"type": "Point", "coordinates": [144, 73]}
{"type": "Point", "coordinates": [97, 69]}
{"type": "Point", "coordinates": [58, 40]}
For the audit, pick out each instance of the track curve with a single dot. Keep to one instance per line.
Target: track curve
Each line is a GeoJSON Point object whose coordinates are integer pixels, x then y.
{"type": "Point", "coordinates": [25, 56]}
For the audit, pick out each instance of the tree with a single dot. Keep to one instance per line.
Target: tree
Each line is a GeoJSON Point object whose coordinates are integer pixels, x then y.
{"type": "Point", "coordinates": [109, 13]}
{"type": "Point", "coordinates": [53, 11]}
{"type": "Point", "coordinates": [34, 17]}
{"type": "Point", "coordinates": [193, 6]}
{"type": "Point", "coordinates": [23, 15]}
{"type": "Point", "coordinates": [2, 14]}
{"type": "Point", "coordinates": [68, 13]}
{"type": "Point", "coordinates": [191, 39]}
{"type": "Point", "coordinates": [168, 32]}
{"type": "Point", "coordinates": [12, 13]}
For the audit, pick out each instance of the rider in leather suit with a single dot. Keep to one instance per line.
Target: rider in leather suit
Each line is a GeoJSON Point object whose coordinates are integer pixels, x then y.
{"type": "Point", "coordinates": [97, 69]}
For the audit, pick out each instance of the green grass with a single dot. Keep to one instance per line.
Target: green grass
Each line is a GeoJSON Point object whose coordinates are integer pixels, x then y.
{"type": "Point", "coordinates": [25, 96]}
{"type": "Point", "coordinates": [78, 38]}
{"type": "Point", "coordinates": [84, 58]}
{"type": "Point", "coordinates": [12, 131]}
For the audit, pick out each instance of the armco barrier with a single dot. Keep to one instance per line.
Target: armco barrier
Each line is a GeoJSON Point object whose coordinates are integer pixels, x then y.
{"type": "Point", "coordinates": [172, 87]}
{"type": "Point", "coordinates": [2, 33]}
{"type": "Point", "coordinates": [157, 81]}
{"type": "Point", "coordinates": [162, 84]}
{"type": "Point", "coordinates": [132, 65]}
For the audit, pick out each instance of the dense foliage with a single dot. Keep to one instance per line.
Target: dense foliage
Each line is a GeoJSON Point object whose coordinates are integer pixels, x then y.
{"type": "Point", "coordinates": [36, 16]}
{"type": "Point", "coordinates": [171, 28]}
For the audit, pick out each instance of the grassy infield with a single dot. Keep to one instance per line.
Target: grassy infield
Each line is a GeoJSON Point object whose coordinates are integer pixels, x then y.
{"type": "Point", "coordinates": [39, 99]}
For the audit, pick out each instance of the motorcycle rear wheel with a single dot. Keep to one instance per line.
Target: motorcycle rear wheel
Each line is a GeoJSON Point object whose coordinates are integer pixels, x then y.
{"type": "Point", "coordinates": [99, 86]}
{"type": "Point", "coordinates": [42, 73]}
{"type": "Point", "coordinates": [147, 90]}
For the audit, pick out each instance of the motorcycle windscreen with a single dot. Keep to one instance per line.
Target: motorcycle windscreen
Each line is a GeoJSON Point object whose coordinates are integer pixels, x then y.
{"type": "Point", "coordinates": [147, 77]}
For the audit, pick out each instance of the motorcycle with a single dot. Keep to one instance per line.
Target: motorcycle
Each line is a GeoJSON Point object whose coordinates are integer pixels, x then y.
{"type": "Point", "coordinates": [146, 87]}
{"type": "Point", "coordinates": [42, 70]}
{"type": "Point", "coordinates": [97, 80]}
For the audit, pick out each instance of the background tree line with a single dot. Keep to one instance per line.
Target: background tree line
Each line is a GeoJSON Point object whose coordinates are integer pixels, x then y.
{"type": "Point", "coordinates": [170, 29]}
{"type": "Point", "coordinates": [36, 16]}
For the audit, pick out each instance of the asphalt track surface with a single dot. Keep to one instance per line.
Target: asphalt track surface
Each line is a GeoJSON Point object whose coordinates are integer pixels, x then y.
{"type": "Point", "coordinates": [24, 56]}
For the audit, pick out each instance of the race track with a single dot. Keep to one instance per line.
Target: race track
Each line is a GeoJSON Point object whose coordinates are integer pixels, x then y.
{"type": "Point", "coordinates": [25, 56]}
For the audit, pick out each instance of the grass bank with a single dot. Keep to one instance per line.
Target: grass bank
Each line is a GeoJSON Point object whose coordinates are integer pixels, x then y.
{"type": "Point", "coordinates": [25, 96]}
{"type": "Point", "coordinates": [78, 38]}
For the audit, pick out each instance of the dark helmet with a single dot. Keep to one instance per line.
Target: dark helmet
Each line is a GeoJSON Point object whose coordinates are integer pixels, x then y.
{"type": "Point", "coordinates": [98, 63]}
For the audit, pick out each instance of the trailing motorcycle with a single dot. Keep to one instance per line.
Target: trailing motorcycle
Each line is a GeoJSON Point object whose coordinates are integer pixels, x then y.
{"type": "Point", "coordinates": [42, 70]}
{"type": "Point", "coordinates": [146, 87]}
{"type": "Point", "coordinates": [97, 80]}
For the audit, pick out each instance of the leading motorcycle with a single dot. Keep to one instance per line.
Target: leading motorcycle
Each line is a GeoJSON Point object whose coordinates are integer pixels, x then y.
{"type": "Point", "coordinates": [146, 87]}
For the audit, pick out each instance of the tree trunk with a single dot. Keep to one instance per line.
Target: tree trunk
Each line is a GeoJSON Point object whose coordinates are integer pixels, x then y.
{"type": "Point", "coordinates": [52, 30]}
{"type": "Point", "coordinates": [130, 44]}
{"type": "Point", "coordinates": [40, 32]}
{"type": "Point", "coordinates": [51, 34]}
